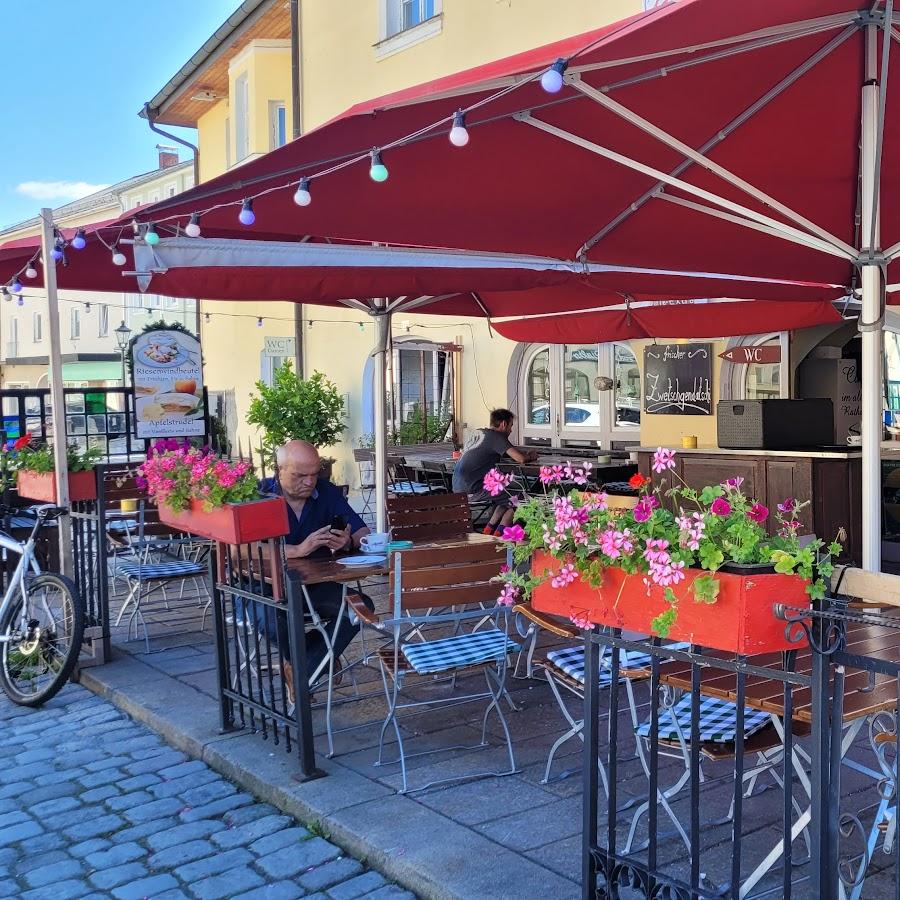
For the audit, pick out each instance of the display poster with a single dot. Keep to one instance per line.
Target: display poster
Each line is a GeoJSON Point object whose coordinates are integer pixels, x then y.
{"type": "Point", "coordinates": [168, 384]}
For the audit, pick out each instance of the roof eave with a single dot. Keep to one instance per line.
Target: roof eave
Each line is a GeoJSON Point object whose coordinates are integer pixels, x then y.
{"type": "Point", "coordinates": [243, 17]}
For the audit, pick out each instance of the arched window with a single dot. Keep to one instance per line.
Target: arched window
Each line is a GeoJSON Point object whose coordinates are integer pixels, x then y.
{"type": "Point", "coordinates": [757, 380]}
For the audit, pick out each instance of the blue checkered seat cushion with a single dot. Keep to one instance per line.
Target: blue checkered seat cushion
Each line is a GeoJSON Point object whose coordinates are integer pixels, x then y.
{"type": "Point", "coordinates": [118, 526]}
{"type": "Point", "coordinates": [718, 721]}
{"type": "Point", "coordinates": [161, 570]}
{"type": "Point", "coordinates": [570, 660]}
{"type": "Point", "coordinates": [410, 487]}
{"type": "Point", "coordinates": [458, 651]}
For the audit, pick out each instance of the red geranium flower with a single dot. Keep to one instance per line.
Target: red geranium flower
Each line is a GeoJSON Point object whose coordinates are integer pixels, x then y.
{"type": "Point", "coordinates": [638, 481]}
{"type": "Point", "coordinates": [22, 442]}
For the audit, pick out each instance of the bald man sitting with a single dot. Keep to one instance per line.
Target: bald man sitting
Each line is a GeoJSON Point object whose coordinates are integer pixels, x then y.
{"type": "Point", "coordinates": [313, 504]}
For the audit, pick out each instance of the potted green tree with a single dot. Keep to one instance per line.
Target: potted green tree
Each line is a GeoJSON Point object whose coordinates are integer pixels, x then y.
{"type": "Point", "coordinates": [699, 567]}
{"type": "Point", "coordinates": [199, 492]}
{"type": "Point", "coordinates": [36, 475]}
{"type": "Point", "coordinates": [293, 408]}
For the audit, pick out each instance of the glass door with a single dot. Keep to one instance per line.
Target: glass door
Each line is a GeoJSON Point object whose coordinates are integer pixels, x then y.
{"type": "Point", "coordinates": [580, 395]}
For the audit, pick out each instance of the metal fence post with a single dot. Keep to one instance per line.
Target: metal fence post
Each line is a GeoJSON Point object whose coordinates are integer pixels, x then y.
{"type": "Point", "coordinates": [306, 750]}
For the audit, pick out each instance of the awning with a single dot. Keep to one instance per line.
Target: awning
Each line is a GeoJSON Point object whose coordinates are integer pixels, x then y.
{"type": "Point", "coordinates": [92, 371]}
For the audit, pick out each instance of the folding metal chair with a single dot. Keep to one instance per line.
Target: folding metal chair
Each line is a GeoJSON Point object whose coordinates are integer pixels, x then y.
{"type": "Point", "coordinates": [458, 578]}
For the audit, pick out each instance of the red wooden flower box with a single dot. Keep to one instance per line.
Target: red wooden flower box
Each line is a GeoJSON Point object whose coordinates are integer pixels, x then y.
{"type": "Point", "coordinates": [42, 485]}
{"type": "Point", "coordinates": [233, 523]}
{"type": "Point", "coordinates": [740, 621]}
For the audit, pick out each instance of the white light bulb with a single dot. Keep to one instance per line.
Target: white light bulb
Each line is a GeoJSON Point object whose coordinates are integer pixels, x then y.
{"type": "Point", "coordinates": [31, 272]}
{"type": "Point", "coordinates": [118, 258]}
{"type": "Point", "coordinates": [302, 196]}
{"type": "Point", "coordinates": [192, 229]}
{"type": "Point", "coordinates": [459, 137]}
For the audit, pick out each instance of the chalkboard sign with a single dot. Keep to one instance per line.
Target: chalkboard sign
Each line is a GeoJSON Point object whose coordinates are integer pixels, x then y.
{"type": "Point", "coordinates": [678, 379]}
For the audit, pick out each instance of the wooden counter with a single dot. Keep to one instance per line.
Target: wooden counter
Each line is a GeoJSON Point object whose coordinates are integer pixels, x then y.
{"type": "Point", "coordinates": [830, 479]}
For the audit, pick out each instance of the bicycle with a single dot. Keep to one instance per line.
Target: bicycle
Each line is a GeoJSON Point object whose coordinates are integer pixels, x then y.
{"type": "Point", "coordinates": [41, 620]}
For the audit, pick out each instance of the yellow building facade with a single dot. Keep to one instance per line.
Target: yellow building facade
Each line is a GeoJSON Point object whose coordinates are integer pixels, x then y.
{"type": "Point", "coordinates": [239, 98]}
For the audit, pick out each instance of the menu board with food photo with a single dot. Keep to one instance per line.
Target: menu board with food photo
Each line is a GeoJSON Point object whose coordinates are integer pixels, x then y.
{"type": "Point", "coordinates": [168, 384]}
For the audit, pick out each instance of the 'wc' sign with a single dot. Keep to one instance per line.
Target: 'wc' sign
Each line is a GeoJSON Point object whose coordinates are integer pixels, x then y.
{"type": "Point", "coordinates": [753, 355]}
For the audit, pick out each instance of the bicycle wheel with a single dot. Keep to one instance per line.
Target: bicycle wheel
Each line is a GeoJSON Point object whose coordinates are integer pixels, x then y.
{"type": "Point", "coordinates": [40, 649]}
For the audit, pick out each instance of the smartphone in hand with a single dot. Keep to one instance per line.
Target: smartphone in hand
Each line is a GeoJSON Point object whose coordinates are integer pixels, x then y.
{"type": "Point", "coordinates": [338, 523]}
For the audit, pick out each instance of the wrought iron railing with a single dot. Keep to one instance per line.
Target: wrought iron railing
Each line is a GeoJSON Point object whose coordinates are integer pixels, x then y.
{"type": "Point", "coordinates": [794, 796]}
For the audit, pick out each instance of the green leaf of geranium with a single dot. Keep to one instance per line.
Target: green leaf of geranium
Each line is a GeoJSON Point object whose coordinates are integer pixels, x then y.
{"type": "Point", "coordinates": [663, 623]}
{"type": "Point", "coordinates": [710, 492]}
{"type": "Point", "coordinates": [706, 589]}
{"type": "Point", "coordinates": [711, 557]}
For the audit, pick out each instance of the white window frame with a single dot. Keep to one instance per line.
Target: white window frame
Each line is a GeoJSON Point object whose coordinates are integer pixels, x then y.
{"type": "Point", "coordinates": [559, 432]}
{"type": "Point", "coordinates": [277, 124]}
{"type": "Point", "coordinates": [268, 367]}
{"type": "Point", "coordinates": [392, 38]}
{"type": "Point", "coordinates": [172, 189]}
{"type": "Point", "coordinates": [103, 320]}
{"type": "Point", "coordinates": [37, 327]}
{"type": "Point", "coordinates": [242, 116]}
{"type": "Point", "coordinates": [228, 158]}
{"type": "Point", "coordinates": [74, 323]}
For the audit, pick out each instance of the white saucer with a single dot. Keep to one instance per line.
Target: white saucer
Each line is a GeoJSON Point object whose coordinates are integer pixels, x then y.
{"type": "Point", "coordinates": [361, 560]}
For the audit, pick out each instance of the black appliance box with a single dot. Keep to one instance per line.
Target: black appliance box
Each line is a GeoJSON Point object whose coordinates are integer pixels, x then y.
{"type": "Point", "coordinates": [775, 424]}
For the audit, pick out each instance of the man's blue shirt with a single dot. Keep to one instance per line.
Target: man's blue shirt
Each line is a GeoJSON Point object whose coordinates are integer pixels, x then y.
{"type": "Point", "coordinates": [326, 502]}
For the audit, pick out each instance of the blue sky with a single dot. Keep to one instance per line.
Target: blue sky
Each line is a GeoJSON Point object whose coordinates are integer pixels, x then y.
{"type": "Point", "coordinates": [74, 77]}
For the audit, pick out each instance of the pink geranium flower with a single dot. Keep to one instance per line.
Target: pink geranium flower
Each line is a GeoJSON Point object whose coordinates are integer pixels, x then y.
{"type": "Point", "coordinates": [566, 576]}
{"type": "Point", "coordinates": [663, 459]}
{"type": "Point", "coordinates": [720, 507]}
{"type": "Point", "coordinates": [496, 482]}
{"type": "Point", "coordinates": [787, 506]}
{"type": "Point", "coordinates": [509, 594]}
{"type": "Point", "coordinates": [515, 534]}
{"type": "Point", "coordinates": [758, 513]}
{"type": "Point", "coordinates": [579, 618]}
{"type": "Point", "coordinates": [733, 484]}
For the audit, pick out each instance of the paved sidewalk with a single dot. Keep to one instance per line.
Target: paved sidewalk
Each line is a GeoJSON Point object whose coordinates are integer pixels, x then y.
{"type": "Point", "coordinates": [94, 804]}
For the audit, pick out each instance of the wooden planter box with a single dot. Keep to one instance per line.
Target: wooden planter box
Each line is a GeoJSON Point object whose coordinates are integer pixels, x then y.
{"type": "Point", "coordinates": [740, 621]}
{"type": "Point", "coordinates": [42, 485]}
{"type": "Point", "coordinates": [234, 523]}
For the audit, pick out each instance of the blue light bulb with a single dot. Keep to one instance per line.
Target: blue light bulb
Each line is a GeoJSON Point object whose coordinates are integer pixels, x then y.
{"type": "Point", "coordinates": [16, 286]}
{"type": "Point", "coordinates": [246, 215]}
{"type": "Point", "coordinates": [151, 237]}
{"type": "Point", "coordinates": [79, 242]}
{"type": "Point", "coordinates": [552, 79]}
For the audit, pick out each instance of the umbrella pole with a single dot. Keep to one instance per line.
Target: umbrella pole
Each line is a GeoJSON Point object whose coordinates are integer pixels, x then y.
{"type": "Point", "coordinates": [57, 398]}
{"type": "Point", "coordinates": [382, 319]}
{"type": "Point", "coordinates": [871, 320]}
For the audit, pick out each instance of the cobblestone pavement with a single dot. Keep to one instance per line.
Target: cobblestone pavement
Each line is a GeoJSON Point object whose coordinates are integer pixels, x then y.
{"type": "Point", "coordinates": [92, 804]}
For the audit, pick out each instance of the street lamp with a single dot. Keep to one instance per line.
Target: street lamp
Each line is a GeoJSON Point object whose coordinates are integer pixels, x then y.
{"type": "Point", "coordinates": [123, 333]}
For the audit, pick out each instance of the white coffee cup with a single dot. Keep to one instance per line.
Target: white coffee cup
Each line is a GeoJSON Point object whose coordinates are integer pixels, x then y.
{"type": "Point", "coordinates": [854, 440]}
{"type": "Point", "coordinates": [377, 540]}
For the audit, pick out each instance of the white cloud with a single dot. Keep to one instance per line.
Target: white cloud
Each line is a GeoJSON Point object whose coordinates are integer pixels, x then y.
{"type": "Point", "coordinates": [58, 190]}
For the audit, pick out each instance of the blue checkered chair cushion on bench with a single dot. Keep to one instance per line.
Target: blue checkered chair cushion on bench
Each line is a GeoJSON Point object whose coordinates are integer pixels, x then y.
{"type": "Point", "coordinates": [718, 721]}
{"type": "Point", "coordinates": [117, 526]}
{"type": "Point", "coordinates": [571, 661]}
{"type": "Point", "coordinates": [158, 571]}
{"type": "Point", "coordinates": [409, 487]}
{"type": "Point", "coordinates": [459, 651]}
